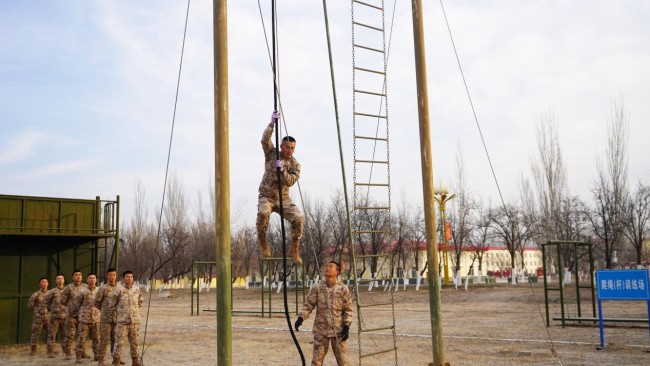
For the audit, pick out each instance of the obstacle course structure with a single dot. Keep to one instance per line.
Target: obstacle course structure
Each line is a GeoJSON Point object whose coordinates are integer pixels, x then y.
{"type": "Point", "coordinates": [44, 236]}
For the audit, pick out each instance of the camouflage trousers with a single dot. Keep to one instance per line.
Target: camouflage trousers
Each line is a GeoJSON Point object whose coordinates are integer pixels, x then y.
{"type": "Point", "coordinates": [291, 213]}
{"type": "Point", "coordinates": [84, 329]}
{"type": "Point", "coordinates": [321, 346]}
{"type": "Point", "coordinates": [70, 332]}
{"type": "Point", "coordinates": [106, 336]}
{"type": "Point", "coordinates": [37, 327]}
{"type": "Point", "coordinates": [123, 331]}
{"type": "Point", "coordinates": [56, 325]}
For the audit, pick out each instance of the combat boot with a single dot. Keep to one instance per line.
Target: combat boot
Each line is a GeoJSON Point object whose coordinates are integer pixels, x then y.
{"type": "Point", "coordinates": [116, 361]}
{"type": "Point", "coordinates": [264, 246]}
{"type": "Point", "coordinates": [33, 352]}
{"type": "Point", "coordinates": [50, 351]}
{"type": "Point", "coordinates": [68, 354]}
{"type": "Point", "coordinates": [295, 253]}
{"type": "Point", "coordinates": [135, 361]}
{"type": "Point", "coordinates": [78, 357]}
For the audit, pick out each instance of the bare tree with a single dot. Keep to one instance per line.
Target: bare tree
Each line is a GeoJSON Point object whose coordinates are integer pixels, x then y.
{"type": "Point", "coordinates": [173, 257]}
{"type": "Point", "coordinates": [203, 235]}
{"type": "Point", "coordinates": [338, 225]}
{"type": "Point", "coordinates": [317, 230]}
{"type": "Point", "coordinates": [244, 251]}
{"type": "Point", "coordinates": [401, 247]}
{"type": "Point", "coordinates": [481, 237]}
{"type": "Point", "coordinates": [610, 190]}
{"type": "Point", "coordinates": [461, 213]}
{"type": "Point", "coordinates": [636, 219]}
{"type": "Point", "coordinates": [549, 175]}
{"type": "Point", "coordinates": [373, 227]}
{"type": "Point", "coordinates": [138, 243]}
{"type": "Point", "coordinates": [418, 236]}
{"type": "Point", "coordinates": [514, 228]}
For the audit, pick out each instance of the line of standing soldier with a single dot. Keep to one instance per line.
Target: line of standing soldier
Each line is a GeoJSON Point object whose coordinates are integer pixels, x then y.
{"type": "Point", "coordinates": [110, 313]}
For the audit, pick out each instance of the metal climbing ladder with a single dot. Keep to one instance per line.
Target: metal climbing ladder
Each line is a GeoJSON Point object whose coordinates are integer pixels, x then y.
{"type": "Point", "coordinates": [371, 177]}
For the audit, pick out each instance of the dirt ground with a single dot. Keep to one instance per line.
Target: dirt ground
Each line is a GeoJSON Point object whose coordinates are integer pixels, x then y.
{"type": "Point", "coordinates": [495, 325]}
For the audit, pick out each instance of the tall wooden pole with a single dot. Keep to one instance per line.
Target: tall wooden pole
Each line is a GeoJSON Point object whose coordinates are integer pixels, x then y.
{"type": "Point", "coordinates": [427, 184]}
{"type": "Point", "coordinates": [222, 183]}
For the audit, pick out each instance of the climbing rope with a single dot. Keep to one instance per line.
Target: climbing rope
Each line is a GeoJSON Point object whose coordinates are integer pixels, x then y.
{"type": "Point", "coordinates": [279, 174]}
{"type": "Point", "coordinates": [284, 124]}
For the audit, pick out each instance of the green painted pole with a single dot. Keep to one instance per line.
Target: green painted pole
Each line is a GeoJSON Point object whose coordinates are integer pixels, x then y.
{"type": "Point", "coordinates": [117, 233]}
{"type": "Point", "coordinates": [222, 182]}
{"type": "Point", "coordinates": [427, 184]}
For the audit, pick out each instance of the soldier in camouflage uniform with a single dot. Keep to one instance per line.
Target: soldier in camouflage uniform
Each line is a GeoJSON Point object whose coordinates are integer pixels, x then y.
{"type": "Point", "coordinates": [58, 312]}
{"type": "Point", "coordinates": [88, 316]}
{"type": "Point", "coordinates": [127, 299]}
{"type": "Point", "coordinates": [104, 302]}
{"type": "Point", "coordinates": [269, 199]}
{"type": "Point", "coordinates": [68, 294]}
{"type": "Point", "coordinates": [333, 305]}
{"type": "Point", "coordinates": [41, 316]}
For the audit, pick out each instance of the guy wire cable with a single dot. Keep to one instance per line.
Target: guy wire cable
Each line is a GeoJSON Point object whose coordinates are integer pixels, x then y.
{"type": "Point", "coordinates": [162, 205]}
{"type": "Point", "coordinates": [553, 350]}
{"type": "Point", "coordinates": [279, 174]}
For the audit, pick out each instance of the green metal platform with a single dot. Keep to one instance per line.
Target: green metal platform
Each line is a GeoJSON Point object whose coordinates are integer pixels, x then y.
{"type": "Point", "coordinates": [41, 237]}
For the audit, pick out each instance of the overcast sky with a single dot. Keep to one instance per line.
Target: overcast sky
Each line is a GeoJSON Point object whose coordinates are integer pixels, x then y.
{"type": "Point", "coordinates": [87, 93]}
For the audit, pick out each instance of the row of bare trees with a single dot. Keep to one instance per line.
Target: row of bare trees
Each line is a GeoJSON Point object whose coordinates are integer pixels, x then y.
{"type": "Point", "coordinates": [616, 220]}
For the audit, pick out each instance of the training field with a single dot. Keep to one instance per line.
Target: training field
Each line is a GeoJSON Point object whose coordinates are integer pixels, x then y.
{"type": "Point", "coordinates": [496, 325]}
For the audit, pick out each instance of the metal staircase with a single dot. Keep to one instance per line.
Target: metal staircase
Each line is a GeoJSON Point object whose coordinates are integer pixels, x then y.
{"type": "Point", "coordinates": [372, 192]}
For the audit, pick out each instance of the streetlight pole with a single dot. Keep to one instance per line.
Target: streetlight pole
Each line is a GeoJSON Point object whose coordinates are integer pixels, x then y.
{"type": "Point", "coordinates": [442, 196]}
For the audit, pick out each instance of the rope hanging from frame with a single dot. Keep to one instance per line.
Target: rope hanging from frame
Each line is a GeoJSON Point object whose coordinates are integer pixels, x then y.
{"type": "Point", "coordinates": [279, 174]}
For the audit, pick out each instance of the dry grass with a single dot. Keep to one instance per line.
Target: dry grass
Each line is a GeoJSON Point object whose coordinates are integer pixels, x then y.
{"type": "Point", "coordinates": [498, 325]}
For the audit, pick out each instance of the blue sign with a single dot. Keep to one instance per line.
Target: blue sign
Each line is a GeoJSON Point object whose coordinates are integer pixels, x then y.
{"type": "Point", "coordinates": [625, 284]}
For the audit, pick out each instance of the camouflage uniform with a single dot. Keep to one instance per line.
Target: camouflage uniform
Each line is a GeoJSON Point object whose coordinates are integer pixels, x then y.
{"type": "Point", "coordinates": [269, 199]}
{"type": "Point", "coordinates": [41, 316]}
{"type": "Point", "coordinates": [334, 310]}
{"type": "Point", "coordinates": [67, 297]}
{"type": "Point", "coordinates": [88, 316]}
{"type": "Point", "coordinates": [127, 302]}
{"type": "Point", "coordinates": [57, 320]}
{"type": "Point", "coordinates": [104, 302]}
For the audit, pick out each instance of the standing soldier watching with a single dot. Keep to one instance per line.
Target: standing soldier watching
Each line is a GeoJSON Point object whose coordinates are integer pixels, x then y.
{"type": "Point", "coordinates": [127, 299]}
{"type": "Point", "coordinates": [41, 316]}
{"type": "Point", "coordinates": [269, 197]}
{"type": "Point", "coordinates": [68, 294]}
{"type": "Point", "coordinates": [88, 317]}
{"type": "Point", "coordinates": [333, 305]}
{"type": "Point", "coordinates": [104, 302]}
{"type": "Point", "coordinates": [59, 313]}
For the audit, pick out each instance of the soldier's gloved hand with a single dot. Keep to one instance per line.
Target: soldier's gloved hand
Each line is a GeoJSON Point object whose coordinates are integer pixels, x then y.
{"type": "Point", "coordinates": [298, 323]}
{"type": "Point", "coordinates": [345, 333]}
{"type": "Point", "coordinates": [275, 116]}
{"type": "Point", "coordinates": [279, 164]}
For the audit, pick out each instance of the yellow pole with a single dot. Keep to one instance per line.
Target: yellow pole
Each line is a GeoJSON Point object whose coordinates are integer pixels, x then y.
{"type": "Point", "coordinates": [442, 197]}
{"type": "Point", "coordinates": [222, 183]}
{"type": "Point", "coordinates": [445, 249]}
{"type": "Point", "coordinates": [427, 184]}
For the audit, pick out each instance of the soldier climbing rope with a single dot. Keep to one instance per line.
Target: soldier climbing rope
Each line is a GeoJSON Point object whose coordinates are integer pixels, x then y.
{"type": "Point", "coordinates": [295, 245]}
